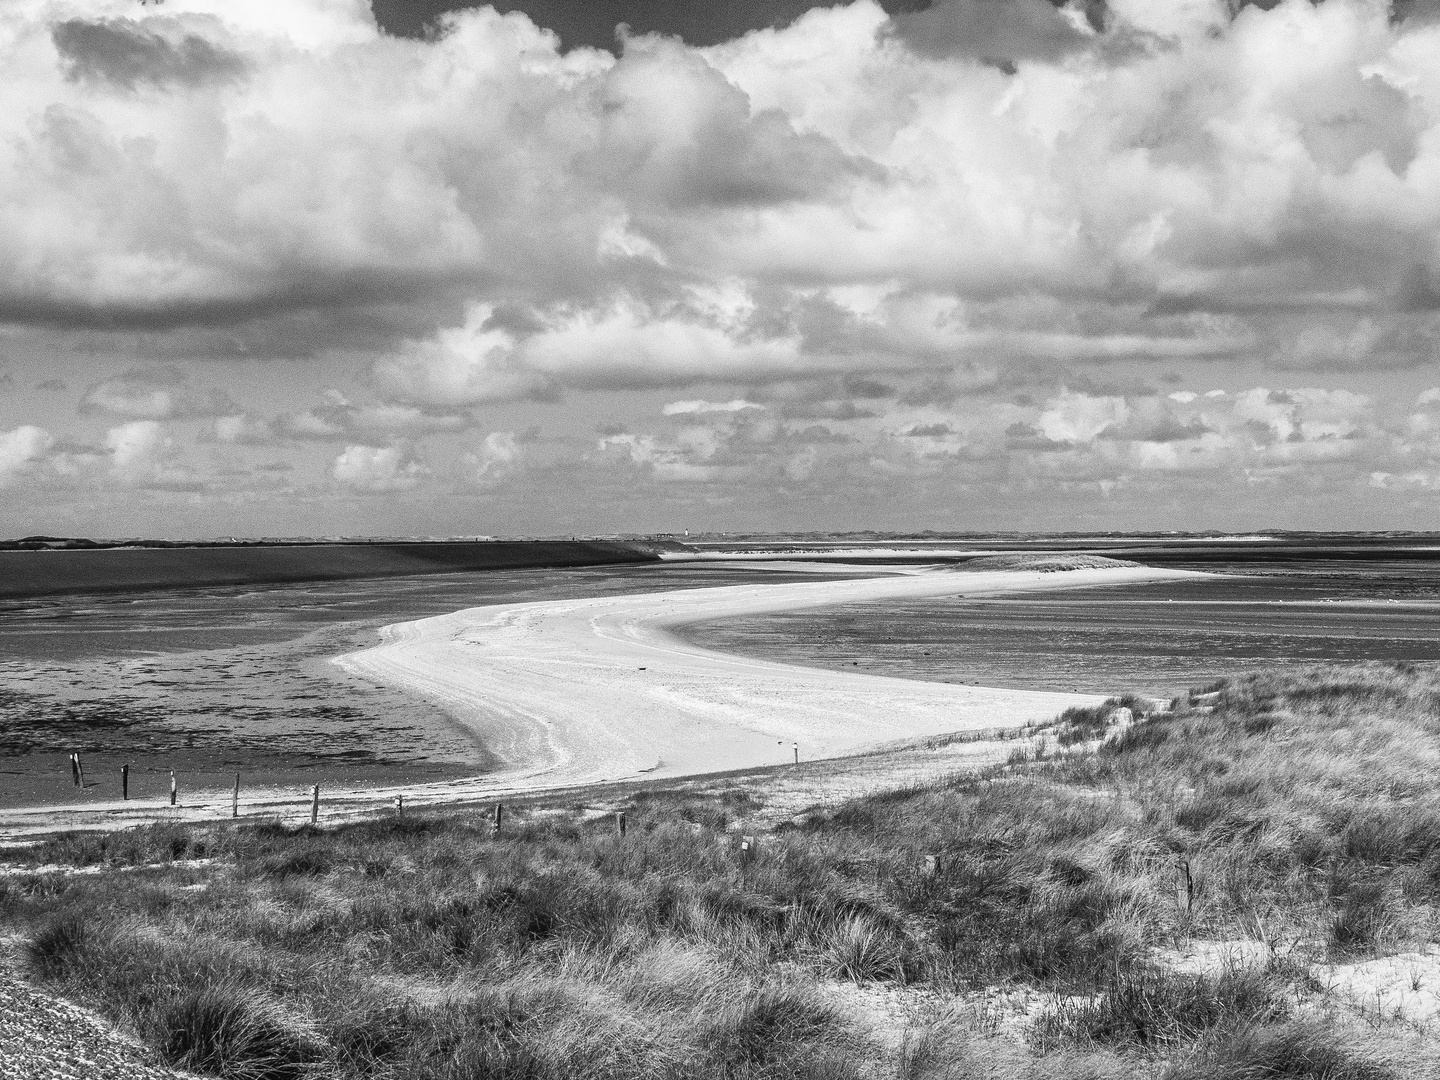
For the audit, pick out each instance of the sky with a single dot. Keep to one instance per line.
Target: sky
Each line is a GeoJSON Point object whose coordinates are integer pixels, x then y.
{"type": "Point", "coordinates": [279, 268]}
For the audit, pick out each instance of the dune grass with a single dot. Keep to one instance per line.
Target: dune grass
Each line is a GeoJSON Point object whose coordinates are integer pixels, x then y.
{"type": "Point", "coordinates": [1292, 811]}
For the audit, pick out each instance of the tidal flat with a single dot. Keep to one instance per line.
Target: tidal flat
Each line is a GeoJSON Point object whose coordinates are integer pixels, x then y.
{"type": "Point", "coordinates": [210, 682]}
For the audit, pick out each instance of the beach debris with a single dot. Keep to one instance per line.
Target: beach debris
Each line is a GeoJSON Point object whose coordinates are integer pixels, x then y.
{"type": "Point", "coordinates": [932, 865]}
{"type": "Point", "coordinates": [400, 805]}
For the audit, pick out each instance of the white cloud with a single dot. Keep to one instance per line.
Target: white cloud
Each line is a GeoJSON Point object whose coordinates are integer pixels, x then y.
{"type": "Point", "coordinates": [1080, 417]}
{"type": "Point", "coordinates": [240, 429]}
{"type": "Point", "coordinates": [846, 194]}
{"type": "Point", "coordinates": [379, 469]}
{"type": "Point", "coordinates": [22, 449]}
{"type": "Point", "coordinates": [144, 455]}
{"type": "Point", "coordinates": [154, 393]}
{"type": "Point", "coordinates": [497, 455]}
{"type": "Point", "coordinates": [680, 408]}
{"type": "Point", "coordinates": [338, 419]}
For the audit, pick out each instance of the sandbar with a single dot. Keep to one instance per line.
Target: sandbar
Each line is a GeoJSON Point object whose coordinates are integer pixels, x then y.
{"type": "Point", "coordinates": [570, 692]}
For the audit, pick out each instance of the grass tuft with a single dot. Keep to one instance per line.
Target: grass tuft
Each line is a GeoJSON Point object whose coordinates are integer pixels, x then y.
{"type": "Point", "coordinates": [235, 1031]}
{"type": "Point", "coordinates": [1294, 1051]}
{"type": "Point", "coordinates": [1153, 1007]}
{"type": "Point", "coordinates": [52, 949]}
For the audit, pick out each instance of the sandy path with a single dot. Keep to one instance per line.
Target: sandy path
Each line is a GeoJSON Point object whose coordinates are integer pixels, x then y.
{"type": "Point", "coordinates": [556, 692]}
{"type": "Point", "coordinates": [578, 691]}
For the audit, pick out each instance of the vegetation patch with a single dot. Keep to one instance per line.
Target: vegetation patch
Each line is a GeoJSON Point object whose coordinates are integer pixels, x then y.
{"type": "Point", "coordinates": [424, 947]}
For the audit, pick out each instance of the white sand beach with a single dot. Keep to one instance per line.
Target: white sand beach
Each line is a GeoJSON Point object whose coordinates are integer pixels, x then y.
{"type": "Point", "coordinates": [579, 691]}
{"type": "Point", "coordinates": [566, 693]}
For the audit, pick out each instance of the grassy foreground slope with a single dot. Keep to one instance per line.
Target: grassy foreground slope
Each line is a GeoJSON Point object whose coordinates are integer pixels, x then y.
{"type": "Point", "coordinates": [1034, 921]}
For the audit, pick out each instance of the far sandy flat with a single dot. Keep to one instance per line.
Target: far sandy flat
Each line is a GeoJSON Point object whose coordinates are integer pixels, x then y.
{"type": "Point", "coordinates": [571, 692]}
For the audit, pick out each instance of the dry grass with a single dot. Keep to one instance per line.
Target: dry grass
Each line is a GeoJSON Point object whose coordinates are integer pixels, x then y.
{"type": "Point", "coordinates": [421, 947]}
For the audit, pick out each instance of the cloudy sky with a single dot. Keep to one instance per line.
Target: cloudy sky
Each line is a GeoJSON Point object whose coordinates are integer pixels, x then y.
{"type": "Point", "coordinates": [279, 268]}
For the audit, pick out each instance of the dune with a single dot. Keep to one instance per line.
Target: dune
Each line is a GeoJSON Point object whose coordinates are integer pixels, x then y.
{"type": "Point", "coordinates": [571, 692]}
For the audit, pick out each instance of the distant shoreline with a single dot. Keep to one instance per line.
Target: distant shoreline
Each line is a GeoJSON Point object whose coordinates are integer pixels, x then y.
{"type": "Point", "coordinates": [134, 567]}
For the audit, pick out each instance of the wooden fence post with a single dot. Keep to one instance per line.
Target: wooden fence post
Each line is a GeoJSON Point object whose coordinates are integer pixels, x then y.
{"type": "Point", "coordinates": [174, 788]}
{"type": "Point", "coordinates": [620, 824]}
{"type": "Point", "coordinates": [1184, 887]}
{"type": "Point", "coordinates": [235, 798]}
{"type": "Point", "coordinates": [125, 782]}
{"type": "Point", "coordinates": [79, 771]}
{"type": "Point", "coordinates": [797, 753]}
{"type": "Point", "coordinates": [400, 805]}
{"type": "Point", "coordinates": [315, 804]}
{"type": "Point", "coordinates": [498, 819]}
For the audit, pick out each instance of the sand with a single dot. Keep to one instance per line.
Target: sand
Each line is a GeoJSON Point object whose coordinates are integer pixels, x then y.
{"type": "Point", "coordinates": [572, 692]}
{"type": "Point", "coordinates": [568, 693]}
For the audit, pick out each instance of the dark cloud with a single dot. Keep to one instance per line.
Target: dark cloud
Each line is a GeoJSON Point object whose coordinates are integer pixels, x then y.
{"type": "Point", "coordinates": [1022, 436]}
{"type": "Point", "coordinates": [53, 384]}
{"type": "Point", "coordinates": [321, 291]}
{"type": "Point", "coordinates": [593, 23]}
{"type": "Point", "coordinates": [994, 30]}
{"type": "Point", "coordinates": [127, 53]}
{"type": "Point", "coordinates": [930, 431]}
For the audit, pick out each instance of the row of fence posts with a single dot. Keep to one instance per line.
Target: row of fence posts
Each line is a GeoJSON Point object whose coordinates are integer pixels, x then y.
{"type": "Point", "coordinates": [77, 772]}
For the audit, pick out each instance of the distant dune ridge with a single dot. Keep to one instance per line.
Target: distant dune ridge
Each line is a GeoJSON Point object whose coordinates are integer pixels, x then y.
{"type": "Point", "coordinates": [49, 571]}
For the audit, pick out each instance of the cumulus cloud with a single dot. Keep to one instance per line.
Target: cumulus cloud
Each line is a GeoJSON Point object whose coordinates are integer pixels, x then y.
{"type": "Point", "coordinates": [21, 449]}
{"type": "Point", "coordinates": [155, 393]}
{"type": "Point", "coordinates": [338, 419]}
{"type": "Point", "coordinates": [494, 457]}
{"type": "Point", "coordinates": [679, 408]}
{"type": "Point", "coordinates": [845, 247]}
{"type": "Point", "coordinates": [143, 454]}
{"type": "Point", "coordinates": [378, 470]}
{"type": "Point", "coordinates": [127, 53]}
{"type": "Point", "coordinates": [239, 429]}
{"type": "Point", "coordinates": [1155, 180]}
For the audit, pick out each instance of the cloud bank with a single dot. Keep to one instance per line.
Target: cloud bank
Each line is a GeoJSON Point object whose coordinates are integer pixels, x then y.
{"type": "Point", "coordinates": [855, 243]}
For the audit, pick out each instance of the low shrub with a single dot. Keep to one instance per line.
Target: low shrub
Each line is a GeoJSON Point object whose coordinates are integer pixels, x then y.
{"type": "Point", "coordinates": [1294, 1051]}
{"type": "Point", "coordinates": [1153, 1006]}
{"type": "Point", "coordinates": [50, 950]}
{"type": "Point", "coordinates": [860, 950]}
{"type": "Point", "coordinates": [769, 1025]}
{"type": "Point", "coordinates": [1363, 916]}
{"type": "Point", "coordinates": [237, 1032]}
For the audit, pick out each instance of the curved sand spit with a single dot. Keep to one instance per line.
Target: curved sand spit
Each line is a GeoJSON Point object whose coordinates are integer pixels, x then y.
{"type": "Point", "coordinates": [572, 692]}
{"type": "Point", "coordinates": [555, 692]}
